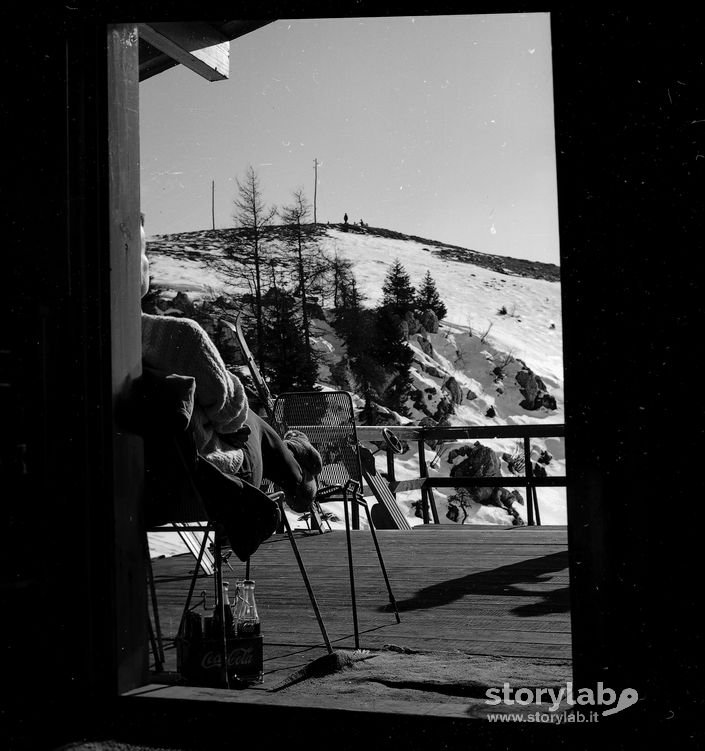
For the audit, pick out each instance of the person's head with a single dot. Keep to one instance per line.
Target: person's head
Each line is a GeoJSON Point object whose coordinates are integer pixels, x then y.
{"type": "Point", "coordinates": [144, 260]}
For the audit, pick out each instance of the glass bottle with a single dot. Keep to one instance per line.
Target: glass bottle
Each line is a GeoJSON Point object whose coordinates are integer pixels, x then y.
{"type": "Point", "coordinates": [229, 625]}
{"type": "Point", "coordinates": [247, 618]}
{"type": "Point", "coordinates": [237, 601]}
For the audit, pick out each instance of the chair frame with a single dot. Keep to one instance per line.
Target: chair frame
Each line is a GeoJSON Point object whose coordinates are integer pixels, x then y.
{"type": "Point", "coordinates": [350, 490]}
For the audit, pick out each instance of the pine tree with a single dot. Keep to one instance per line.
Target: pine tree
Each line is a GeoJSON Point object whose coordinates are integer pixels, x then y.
{"type": "Point", "coordinates": [341, 375]}
{"type": "Point", "coordinates": [348, 312]}
{"type": "Point", "coordinates": [395, 356]}
{"type": "Point", "coordinates": [291, 365]}
{"type": "Point", "coordinates": [397, 292]}
{"type": "Point", "coordinates": [340, 273]}
{"type": "Point", "coordinates": [357, 327]}
{"type": "Point", "coordinates": [429, 299]}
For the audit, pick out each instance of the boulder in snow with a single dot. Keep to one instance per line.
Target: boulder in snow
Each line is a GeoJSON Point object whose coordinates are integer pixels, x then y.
{"type": "Point", "coordinates": [534, 391]}
{"type": "Point", "coordinates": [425, 345]}
{"type": "Point", "coordinates": [453, 388]}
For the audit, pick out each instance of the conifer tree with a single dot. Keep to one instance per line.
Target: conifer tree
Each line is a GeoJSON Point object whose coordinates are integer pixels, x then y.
{"type": "Point", "coordinates": [398, 293]}
{"type": "Point", "coordinates": [429, 299]}
{"type": "Point", "coordinates": [394, 354]}
{"type": "Point", "coordinates": [357, 326]}
{"type": "Point", "coordinates": [349, 311]}
{"type": "Point", "coordinates": [291, 365]}
{"type": "Point", "coordinates": [340, 272]}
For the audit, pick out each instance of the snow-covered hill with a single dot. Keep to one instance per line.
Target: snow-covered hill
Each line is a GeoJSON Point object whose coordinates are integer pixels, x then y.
{"type": "Point", "coordinates": [500, 342]}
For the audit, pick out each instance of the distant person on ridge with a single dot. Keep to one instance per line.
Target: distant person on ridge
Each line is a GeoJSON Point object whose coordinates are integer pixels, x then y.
{"type": "Point", "coordinates": [345, 218]}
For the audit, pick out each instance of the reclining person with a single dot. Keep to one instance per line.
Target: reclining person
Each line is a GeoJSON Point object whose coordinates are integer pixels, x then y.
{"type": "Point", "coordinates": [228, 435]}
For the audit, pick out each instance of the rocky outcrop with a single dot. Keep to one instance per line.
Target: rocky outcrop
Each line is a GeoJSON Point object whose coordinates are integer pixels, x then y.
{"type": "Point", "coordinates": [534, 391]}
{"type": "Point", "coordinates": [429, 320]}
{"type": "Point", "coordinates": [413, 324]}
{"type": "Point", "coordinates": [432, 370]}
{"type": "Point", "coordinates": [422, 401]}
{"type": "Point", "coordinates": [480, 461]}
{"type": "Point", "coordinates": [380, 415]}
{"type": "Point", "coordinates": [444, 408]}
{"type": "Point", "coordinates": [418, 401]}
{"type": "Point", "coordinates": [545, 457]}
{"type": "Point", "coordinates": [424, 345]}
{"type": "Point", "coordinates": [453, 388]}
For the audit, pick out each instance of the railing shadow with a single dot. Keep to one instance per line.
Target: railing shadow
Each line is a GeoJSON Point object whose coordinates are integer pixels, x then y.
{"type": "Point", "coordinates": [501, 581]}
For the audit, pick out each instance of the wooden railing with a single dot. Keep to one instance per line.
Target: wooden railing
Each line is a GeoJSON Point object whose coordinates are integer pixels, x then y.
{"type": "Point", "coordinates": [422, 435]}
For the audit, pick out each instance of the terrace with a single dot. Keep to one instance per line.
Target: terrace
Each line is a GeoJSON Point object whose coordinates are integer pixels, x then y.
{"type": "Point", "coordinates": [479, 604]}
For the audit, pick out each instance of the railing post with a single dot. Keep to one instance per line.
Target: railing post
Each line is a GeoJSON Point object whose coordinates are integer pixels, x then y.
{"type": "Point", "coordinates": [426, 493]}
{"type": "Point", "coordinates": [528, 472]}
{"type": "Point", "coordinates": [391, 477]}
{"type": "Point", "coordinates": [536, 507]}
{"type": "Point", "coordinates": [423, 472]}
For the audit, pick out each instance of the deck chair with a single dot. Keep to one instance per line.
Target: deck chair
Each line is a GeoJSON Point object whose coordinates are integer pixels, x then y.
{"type": "Point", "coordinates": [328, 420]}
{"type": "Point", "coordinates": [176, 481]}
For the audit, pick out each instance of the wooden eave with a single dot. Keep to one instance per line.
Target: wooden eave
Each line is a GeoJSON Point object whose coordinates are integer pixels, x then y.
{"type": "Point", "coordinates": [202, 47]}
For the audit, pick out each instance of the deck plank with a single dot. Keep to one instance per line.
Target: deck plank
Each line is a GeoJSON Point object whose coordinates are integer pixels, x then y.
{"type": "Point", "coordinates": [500, 592]}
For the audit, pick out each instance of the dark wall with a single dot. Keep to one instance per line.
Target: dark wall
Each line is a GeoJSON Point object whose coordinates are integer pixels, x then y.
{"type": "Point", "coordinates": [58, 552]}
{"type": "Point", "coordinates": [631, 154]}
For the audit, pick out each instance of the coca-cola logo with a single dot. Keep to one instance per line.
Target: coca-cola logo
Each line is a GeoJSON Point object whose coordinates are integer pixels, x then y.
{"type": "Point", "coordinates": [241, 656]}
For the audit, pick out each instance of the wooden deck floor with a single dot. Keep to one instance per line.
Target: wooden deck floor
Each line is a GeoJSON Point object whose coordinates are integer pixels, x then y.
{"type": "Point", "coordinates": [500, 592]}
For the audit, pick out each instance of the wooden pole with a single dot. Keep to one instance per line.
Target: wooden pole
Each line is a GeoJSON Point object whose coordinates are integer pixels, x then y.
{"type": "Point", "coordinates": [315, 187]}
{"type": "Point", "coordinates": [213, 202]}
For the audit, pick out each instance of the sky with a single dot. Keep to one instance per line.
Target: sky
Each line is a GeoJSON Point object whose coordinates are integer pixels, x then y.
{"type": "Point", "coordinates": [436, 126]}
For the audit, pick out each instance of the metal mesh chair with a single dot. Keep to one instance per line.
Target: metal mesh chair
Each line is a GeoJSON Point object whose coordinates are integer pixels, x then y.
{"type": "Point", "coordinates": [328, 420]}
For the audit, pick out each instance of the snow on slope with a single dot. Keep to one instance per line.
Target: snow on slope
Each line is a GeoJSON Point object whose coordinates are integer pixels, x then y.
{"type": "Point", "coordinates": [472, 294]}
{"type": "Point", "coordinates": [471, 341]}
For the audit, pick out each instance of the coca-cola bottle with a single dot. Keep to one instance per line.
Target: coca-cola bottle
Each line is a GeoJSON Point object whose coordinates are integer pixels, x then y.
{"type": "Point", "coordinates": [224, 610]}
{"type": "Point", "coordinates": [237, 601]}
{"type": "Point", "coordinates": [246, 617]}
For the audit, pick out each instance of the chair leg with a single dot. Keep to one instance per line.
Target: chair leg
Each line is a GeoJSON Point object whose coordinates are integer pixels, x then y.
{"type": "Point", "coordinates": [392, 601]}
{"type": "Point", "coordinates": [158, 664]}
{"type": "Point", "coordinates": [350, 562]}
{"type": "Point", "coordinates": [157, 644]}
{"type": "Point", "coordinates": [192, 586]}
{"type": "Point", "coordinates": [304, 575]}
{"type": "Point", "coordinates": [317, 519]}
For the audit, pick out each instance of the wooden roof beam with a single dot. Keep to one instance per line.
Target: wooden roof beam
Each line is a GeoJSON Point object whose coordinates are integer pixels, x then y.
{"type": "Point", "coordinates": [199, 46]}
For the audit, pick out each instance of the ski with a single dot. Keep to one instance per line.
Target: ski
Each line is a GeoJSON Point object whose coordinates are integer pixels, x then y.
{"type": "Point", "coordinates": [257, 378]}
